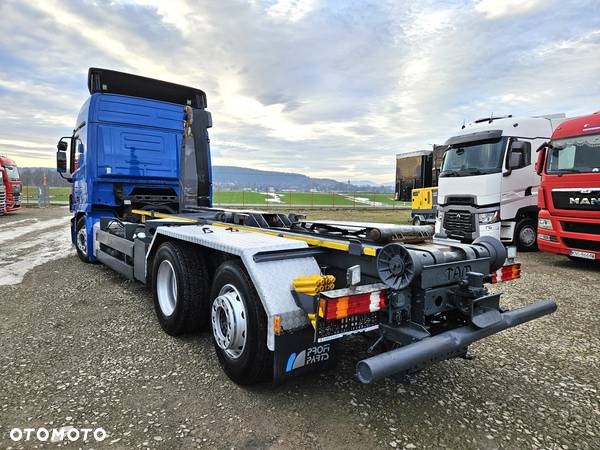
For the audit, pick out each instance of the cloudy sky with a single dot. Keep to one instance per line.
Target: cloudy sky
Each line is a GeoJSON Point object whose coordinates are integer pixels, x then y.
{"type": "Point", "coordinates": [324, 88]}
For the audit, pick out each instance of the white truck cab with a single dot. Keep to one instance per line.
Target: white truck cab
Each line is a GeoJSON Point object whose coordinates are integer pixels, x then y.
{"type": "Point", "coordinates": [488, 185]}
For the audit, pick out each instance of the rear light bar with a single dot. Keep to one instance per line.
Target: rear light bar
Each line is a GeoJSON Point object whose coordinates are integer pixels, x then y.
{"type": "Point", "coordinates": [506, 273]}
{"type": "Point", "coordinates": [340, 307]}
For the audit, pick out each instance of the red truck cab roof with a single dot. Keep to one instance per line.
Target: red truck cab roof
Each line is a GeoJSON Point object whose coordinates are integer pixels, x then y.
{"type": "Point", "coordinates": [578, 126]}
{"type": "Point", "coordinates": [6, 161]}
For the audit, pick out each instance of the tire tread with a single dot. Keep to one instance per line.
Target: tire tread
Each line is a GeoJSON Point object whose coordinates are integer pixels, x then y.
{"type": "Point", "coordinates": [193, 315]}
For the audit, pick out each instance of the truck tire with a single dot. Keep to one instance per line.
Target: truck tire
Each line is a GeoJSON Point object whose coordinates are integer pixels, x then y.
{"type": "Point", "coordinates": [239, 325]}
{"type": "Point", "coordinates": [81, 240]}
{"type": "Point", "coordinates": [526, 235]}
{"type": "Point", "coordinates": [180, 288]}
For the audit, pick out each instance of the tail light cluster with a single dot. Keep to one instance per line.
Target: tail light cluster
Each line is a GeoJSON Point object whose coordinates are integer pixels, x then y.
{"type": "Point", "coordinates": [506, 273]}
{"type": "Point", "coordinates": [352, 305]}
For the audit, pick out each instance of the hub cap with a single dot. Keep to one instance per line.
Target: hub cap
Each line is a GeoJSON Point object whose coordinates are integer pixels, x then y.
{"type": "Point", "coordinates": [228, 316]}
{"type": "Point", "coordinates": [527, 236]}
{"type": "Point", "coordinates": [166, 288]}
{"type": "Point", "coordinates": [82, 240]}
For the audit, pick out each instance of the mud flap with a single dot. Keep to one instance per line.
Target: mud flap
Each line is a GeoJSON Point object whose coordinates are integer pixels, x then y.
{"type": "Point", "coordinates": [297, 354]}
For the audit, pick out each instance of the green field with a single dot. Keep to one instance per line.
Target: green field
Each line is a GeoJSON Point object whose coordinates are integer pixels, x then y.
{"type": "Point", "coordinates": [281, 199]}
{"type": "Point", "coordinates": [29, 194]}
{"type": "Point", "coordinates": [350, 199]}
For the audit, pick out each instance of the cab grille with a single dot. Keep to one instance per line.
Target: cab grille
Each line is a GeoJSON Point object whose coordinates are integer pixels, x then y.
{"type": "Point", "coordinates": [581, 227]}
{"type": "Point", "coordinates": [582, 244]}
{"type": "Point", "coordinates": [459, 221]}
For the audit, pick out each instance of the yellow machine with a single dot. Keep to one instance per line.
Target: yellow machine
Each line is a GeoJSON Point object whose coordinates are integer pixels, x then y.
{"type": "Point", "coordinates": [423, 205]}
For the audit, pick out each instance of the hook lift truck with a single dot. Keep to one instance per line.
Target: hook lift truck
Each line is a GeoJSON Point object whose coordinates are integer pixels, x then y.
{"type": "Point", "coordinates": [275, 289]}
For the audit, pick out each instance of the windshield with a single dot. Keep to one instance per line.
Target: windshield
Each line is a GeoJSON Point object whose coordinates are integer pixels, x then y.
{"type": "Point", "coordinates": [13, 173]}
{"type": "Point", "coordinates": [579, 154]}
{"type": "Point", "coordinates": [477, 158]}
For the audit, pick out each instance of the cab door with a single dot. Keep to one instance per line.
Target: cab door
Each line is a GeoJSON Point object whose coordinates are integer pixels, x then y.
{"type": "Point", "coordinates": [519, 180]}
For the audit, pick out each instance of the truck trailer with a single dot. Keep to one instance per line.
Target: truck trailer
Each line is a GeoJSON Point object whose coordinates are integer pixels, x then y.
{"type": "Point", "coordinates": [488, 185]}
{"type": "Point", "coordinates": [276, 290]}
{"type": "Point", "coordinates": [569, 195]}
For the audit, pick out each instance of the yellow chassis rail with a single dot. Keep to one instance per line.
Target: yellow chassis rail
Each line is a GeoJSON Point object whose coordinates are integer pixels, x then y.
{"type": "Point", "coordinates": [325, 243]}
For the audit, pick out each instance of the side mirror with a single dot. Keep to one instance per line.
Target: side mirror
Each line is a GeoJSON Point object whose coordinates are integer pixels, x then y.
{"type": "Point", "coordinates": [516, 160]}
{"type": "Point", "coordinates": [61, 160]}
{"type": "Point", "coordinates": [541, 158]}
{"type": "Point", "coordinates": [515, 156]}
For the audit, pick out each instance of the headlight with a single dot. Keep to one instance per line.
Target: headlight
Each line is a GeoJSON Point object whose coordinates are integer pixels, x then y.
{"type": "Point", "coordinates": [545, 223]}
{"type": "Point", "coordinates": [489, 217]}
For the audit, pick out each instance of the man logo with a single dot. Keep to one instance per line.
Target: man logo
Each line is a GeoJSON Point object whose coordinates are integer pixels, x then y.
{"type": "Point", "coordinates": [584, 201]}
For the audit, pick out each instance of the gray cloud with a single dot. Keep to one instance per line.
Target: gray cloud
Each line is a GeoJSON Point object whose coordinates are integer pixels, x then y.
{"type": "Point", "coordinates": [315, 87]}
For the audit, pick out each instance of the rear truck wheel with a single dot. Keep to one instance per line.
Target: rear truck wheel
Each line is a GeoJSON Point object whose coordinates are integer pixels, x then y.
{"type": "Point", "coordinates": [239, 325]}
{"type": "Point", "coordinates": [180, 288]}
{"type": "Point", "coordinates": [526, 235]}
{"type": "Point", "coordinates": [81, 241]}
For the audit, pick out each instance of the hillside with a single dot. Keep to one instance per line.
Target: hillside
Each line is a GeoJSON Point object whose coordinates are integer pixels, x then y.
{"type": "Point", "coordinates": [237, 178]}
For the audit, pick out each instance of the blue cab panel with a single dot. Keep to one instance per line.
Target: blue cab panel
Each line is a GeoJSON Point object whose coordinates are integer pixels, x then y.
{"type": "Point", "coordinates": [124, 110]}
{"type": "Point", "coordinates": [125, 144]}
{"type": "Point", "coordinates": [134, 153]}
{"type": "Point", "coordinates": [136, 137]}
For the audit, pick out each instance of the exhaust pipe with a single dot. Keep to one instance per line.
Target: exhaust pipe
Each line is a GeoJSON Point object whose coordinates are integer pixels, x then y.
{"type": "Point", "coordinates": [444, 345]}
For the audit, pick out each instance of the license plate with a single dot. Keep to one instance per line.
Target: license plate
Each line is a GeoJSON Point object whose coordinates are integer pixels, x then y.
{"type": "Point", "coordinates": [335, 329]}
{"type": "Point", "coordinates": [584, 255]}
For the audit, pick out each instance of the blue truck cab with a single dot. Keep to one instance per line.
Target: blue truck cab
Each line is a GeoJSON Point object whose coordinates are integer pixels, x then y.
{"type": "Point", "coordinates": [138, 143]}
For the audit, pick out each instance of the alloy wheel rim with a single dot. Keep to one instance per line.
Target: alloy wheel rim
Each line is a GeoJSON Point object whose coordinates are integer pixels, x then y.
{"type": "Point", "coordinates": [166, 288]}
{"type": "Point", "coordinates": [82, 240]}
{"type": "Point", "coordinates": [229, 325]}
{"type": "Point", "coordinates": [527, 236]}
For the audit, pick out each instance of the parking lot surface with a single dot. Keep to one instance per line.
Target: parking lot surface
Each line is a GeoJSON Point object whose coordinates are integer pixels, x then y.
{"type": "Point", "coordinates": [81, 347]}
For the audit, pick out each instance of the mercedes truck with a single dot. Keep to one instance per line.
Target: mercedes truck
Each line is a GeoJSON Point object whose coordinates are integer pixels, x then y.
{"type": "Point", "coordinates": [275, 290]}
{"type": "Point", "coordinates": [488, 185]}
{"type": "Point", "coordinates": [569, 196]}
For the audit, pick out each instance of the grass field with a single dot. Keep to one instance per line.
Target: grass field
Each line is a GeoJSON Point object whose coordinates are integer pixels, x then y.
{"type": "Point", "coordinates": [306, 199]}
{"type": "Point", "coordinates": [313, 199]}
{"type": "Point", "coordinates": [57, 194]}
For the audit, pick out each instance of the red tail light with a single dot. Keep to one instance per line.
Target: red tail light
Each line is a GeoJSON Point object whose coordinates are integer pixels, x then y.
{"type": "Point", "coordinates": [352, 305]}
{"type": "Point", "coordinates": [506, 273]}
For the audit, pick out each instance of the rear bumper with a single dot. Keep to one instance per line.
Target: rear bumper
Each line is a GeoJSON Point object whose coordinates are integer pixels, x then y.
{"type": "Point", "coordinates": [560, 241]}
{"type": "Point", "coordinates": [444, 345]}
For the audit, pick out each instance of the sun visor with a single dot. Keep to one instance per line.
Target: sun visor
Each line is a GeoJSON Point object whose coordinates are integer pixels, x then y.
{"type": "Point", "coordinates": [489, 135]}
{"type": "Point", "coordinates": [106, 81]}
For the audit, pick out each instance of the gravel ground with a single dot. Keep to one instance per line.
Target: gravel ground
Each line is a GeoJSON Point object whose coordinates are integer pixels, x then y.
{"type": "Point", "coordinates": [81, 347]}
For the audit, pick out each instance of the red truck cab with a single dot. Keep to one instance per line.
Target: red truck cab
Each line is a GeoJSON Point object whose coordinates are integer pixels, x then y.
{"type": "Point", "coordinates": [569, 195]}
{"type": "Point", "coordinates": [12, 183]}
